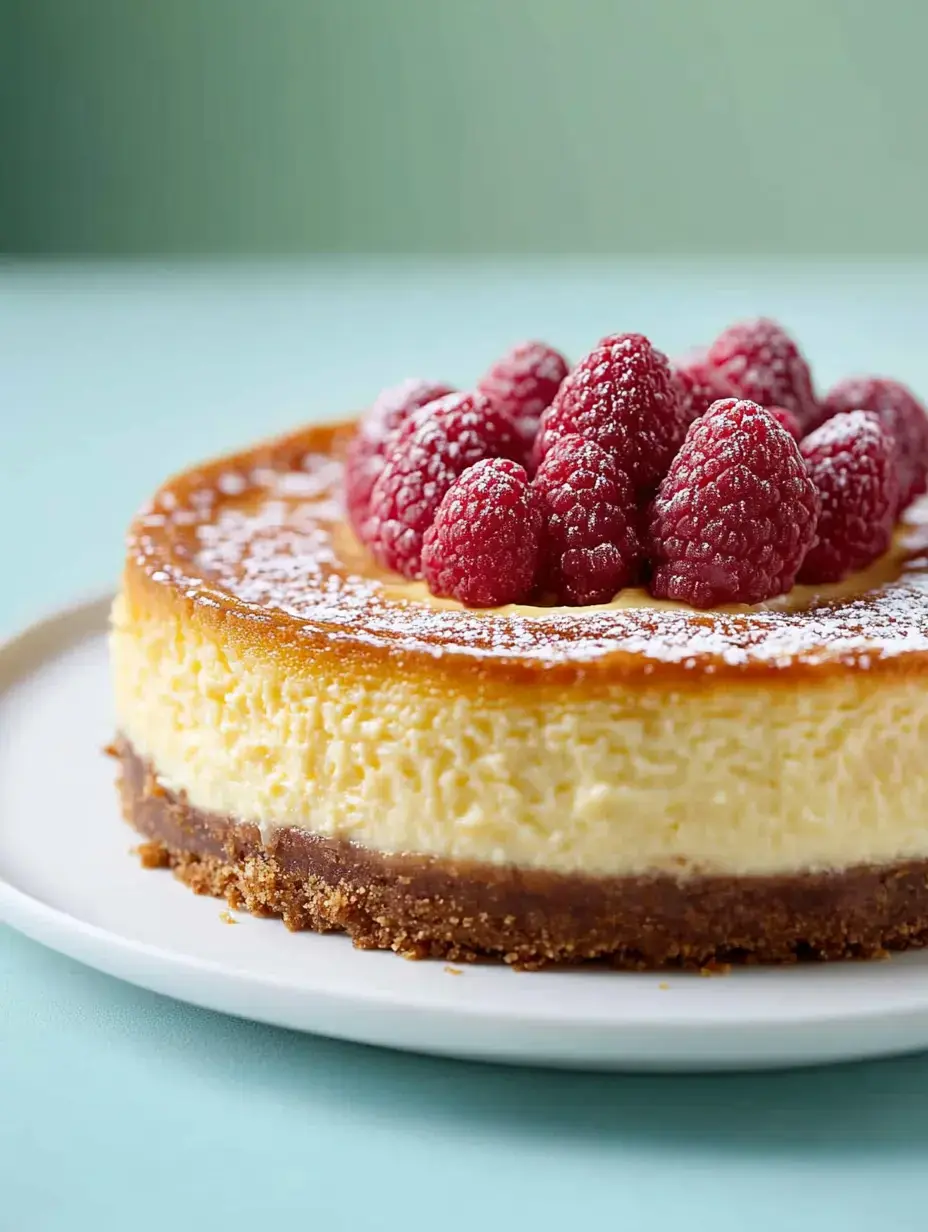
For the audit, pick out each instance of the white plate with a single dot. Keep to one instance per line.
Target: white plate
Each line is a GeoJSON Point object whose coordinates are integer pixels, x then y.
{"type": "Point", "coordinates": [67, 880]}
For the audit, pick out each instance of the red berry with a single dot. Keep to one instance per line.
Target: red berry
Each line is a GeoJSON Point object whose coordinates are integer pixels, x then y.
{"type": "Point", "coordinates": [374, 438]}
{"type": "Point", "coordinates": [523, 384]}
{"type": "Point", "coordinates": [760, 360]}
{"type": "Point", "coordinates": [590, 543]}
{"type": "Point", "coordinates": [624, 397]}
{"type": "Point", "coordinates": [700, 386]}
{"type": "Point", "coordinates": [903, 417]}
{"type": "Point", "coordinates": [736, 514]}
{"type": "Point", "coordinates": [434, 446]}
{"type": "Point", "coordinates": [786, 419]}
{"type": "Point", "coordinates": [483, 546]}
{"type": "Point", "coordinates": [851, 460]}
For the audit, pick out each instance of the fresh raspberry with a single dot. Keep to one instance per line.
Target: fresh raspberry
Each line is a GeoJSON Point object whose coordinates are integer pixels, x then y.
{"type": "Point", "coordinates": [624, 397]}
{"type": "Point", "coordinates": [590, 543]}
{"type": "Point", "coordinates": [434, 446]}
{"type": "Point", "coordinates": [851, 459]}
{"type": "Point", "coordinates": [786, 419]}
{"type": "Point", "coordinates": [523, 384]}
{"type": "Point", "coordinates": [760, 360]}
{"type": "Point", "coordinates": [903, 417]}
{"type": "Point", "coordinates": [700, 386]}
{"type": "Point", "coordinates": [372, 442]}
{"type": "Point", "coordinates": [525, 380]}
{"type": "Point", "coordinates": [484, 544]}
{"type": "Point", "coordinates": [736, 514]}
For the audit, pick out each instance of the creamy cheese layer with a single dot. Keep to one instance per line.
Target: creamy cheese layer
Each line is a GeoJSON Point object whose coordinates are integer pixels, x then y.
{"type": "Point", "coordinates": [731, 777]}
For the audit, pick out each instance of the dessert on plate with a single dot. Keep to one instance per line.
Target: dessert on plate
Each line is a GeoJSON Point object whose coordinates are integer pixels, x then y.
{"type": "Point", "coordinates": [623, 661]}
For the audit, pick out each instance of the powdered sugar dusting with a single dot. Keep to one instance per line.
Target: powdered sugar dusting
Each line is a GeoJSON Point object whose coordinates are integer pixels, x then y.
{"type": "Point", "coordinates": [279, 545]}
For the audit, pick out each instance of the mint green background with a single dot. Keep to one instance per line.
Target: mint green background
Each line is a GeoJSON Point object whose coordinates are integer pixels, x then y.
{"type": "Point", "coordinates": [481, 125]}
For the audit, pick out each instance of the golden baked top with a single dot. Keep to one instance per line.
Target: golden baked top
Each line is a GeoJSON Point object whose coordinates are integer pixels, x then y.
{"type": "Point", "coordinates": [258, 541]}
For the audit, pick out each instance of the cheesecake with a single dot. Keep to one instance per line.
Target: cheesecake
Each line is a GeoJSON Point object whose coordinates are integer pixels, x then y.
{"type": "Point", "coordinates": [312, 735]}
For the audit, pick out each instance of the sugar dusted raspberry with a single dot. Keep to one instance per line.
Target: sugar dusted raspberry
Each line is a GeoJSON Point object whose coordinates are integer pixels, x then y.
{"type": "Point", "coordinates": [392, 407]}
{"type": "Point", "coordinates": [624, 397]}
{"type": "Point", "coordinates": [736, 514]}
{"type": "Point", "coordinates": [700, 385]}
{"type": "Point", "coordinates": [375, 435]}
{"type": "Point", "coordinates": [523, 384]}
{"type": "Point", "coordinates": [786, 419]}
{"type": "Point", "coordinates": [590, 546]}
{"type": "Point", "coordinates": [483, 546]}
{"type": "Point", "coordinates": [851, 460]}
{"type": "Point", "coordinates": [903, 417]}
{"type": "Point", "coordinates": [433, 447]}
{"type": "Point", "coordinates": [525, 380]}
{"type": "Point", "coordinates": [762, 363]}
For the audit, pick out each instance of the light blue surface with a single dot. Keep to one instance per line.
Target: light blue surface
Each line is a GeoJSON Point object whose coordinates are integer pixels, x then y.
{"type": "Point", "coordinates": [120, 1109]}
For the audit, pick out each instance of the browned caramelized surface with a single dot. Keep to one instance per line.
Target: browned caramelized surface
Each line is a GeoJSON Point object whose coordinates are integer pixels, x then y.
{"type": "Point", "coordinates": [257, 541]}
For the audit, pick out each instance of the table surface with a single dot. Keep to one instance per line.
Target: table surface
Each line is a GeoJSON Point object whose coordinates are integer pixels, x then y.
{"type": "Point", "coordinates": [121, 1108]}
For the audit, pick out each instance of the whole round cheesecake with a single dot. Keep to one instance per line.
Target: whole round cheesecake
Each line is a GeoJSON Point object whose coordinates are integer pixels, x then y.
{"type": "Point", "coordinates": [314, 737]}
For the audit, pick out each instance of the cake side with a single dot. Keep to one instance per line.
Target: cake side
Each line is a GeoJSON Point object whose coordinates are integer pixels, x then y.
{"type": "Point", "coordinates": [460, 911]}
{"type": "Point", "coordinates": [736, 778]}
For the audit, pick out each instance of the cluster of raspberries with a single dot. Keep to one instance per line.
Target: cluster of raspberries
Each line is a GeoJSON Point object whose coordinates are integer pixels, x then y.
{"type": "Point", "coordinates": [719, 479]}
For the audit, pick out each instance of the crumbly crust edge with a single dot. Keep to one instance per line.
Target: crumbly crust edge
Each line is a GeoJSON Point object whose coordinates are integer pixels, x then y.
{"type": "Point", "coordinates": [422, 907]}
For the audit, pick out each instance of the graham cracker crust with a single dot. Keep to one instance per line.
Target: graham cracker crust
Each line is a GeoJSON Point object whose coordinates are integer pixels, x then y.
{"type": "Point", "coordinates": [423, 907]}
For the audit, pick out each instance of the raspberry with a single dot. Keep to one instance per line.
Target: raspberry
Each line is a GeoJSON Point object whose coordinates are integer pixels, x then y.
{"type": "Point", "coordinates": [903, 417]}
{"type": "Point", "coordinates": [523, 384]}
{"type": "Point", "coordinates": [700, 386]}
{"type": "Point", "coordinates": [590, 543]}
{"type": "Point", "coordinates": [786, 419]}
{"type": "Point", "coordinates": [762, 363]}
{"type": "Point", "coordinates": [624, 397]}
{"type": "Point", "coordinates": [374, 437]}
{"type": "Point", "coordinates": [484, 543]}
{"type": "Point", "coordinates": [434, 446]}
{"type": "Point", "coordinates": [736, 513]}
{"type": "Point", "coordinates": [851, 459]}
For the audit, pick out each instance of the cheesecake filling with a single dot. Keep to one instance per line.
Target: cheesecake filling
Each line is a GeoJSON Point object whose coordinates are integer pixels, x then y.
{"type": "Point", "coordinates": [728, 778]}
